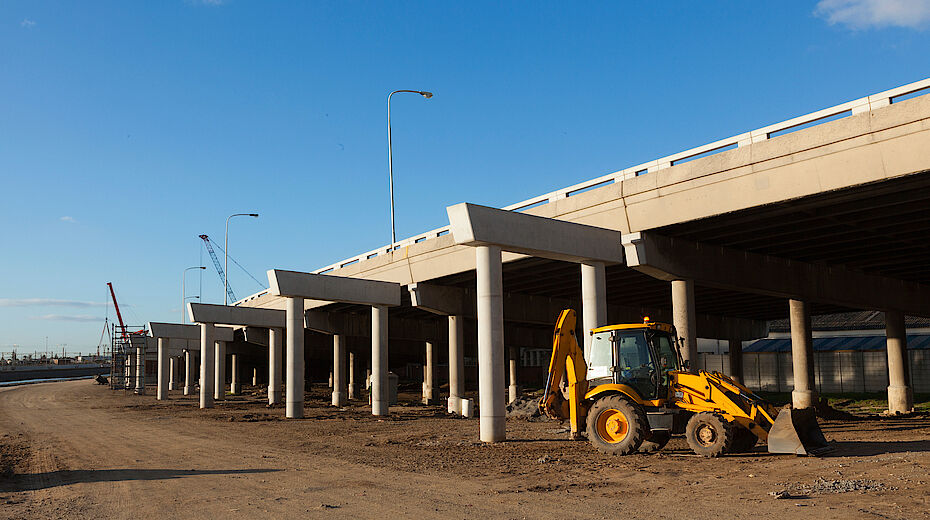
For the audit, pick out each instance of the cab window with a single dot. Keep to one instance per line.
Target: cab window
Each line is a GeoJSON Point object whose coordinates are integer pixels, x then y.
{"type": "Point", "coordinates": [635, 364]}
{"type": "Point", "coordinates": [601, 351]}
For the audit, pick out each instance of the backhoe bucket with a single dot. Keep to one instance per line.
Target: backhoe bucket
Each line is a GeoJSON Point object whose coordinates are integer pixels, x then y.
{"type": "Point", "coordinates": [796, 431]}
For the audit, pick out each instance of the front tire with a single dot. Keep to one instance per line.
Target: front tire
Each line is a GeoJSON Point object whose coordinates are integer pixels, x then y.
{"type": "Point", "coordinates": [709, 435]}
{"type": "Point", "coordinates": [616, 425]}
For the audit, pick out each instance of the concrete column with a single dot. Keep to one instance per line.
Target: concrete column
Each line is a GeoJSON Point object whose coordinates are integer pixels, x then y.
{"type": "Point", "coordinates": [339, 370]}
{"type": "Point", "coordinates": [140, 370]}
{"type": "Point", "coordinates": [164, 371]}
{"type": "Point", "coordinates": [219, 387]}
{"type": "Point", "coordinates": [900, 395]}
{"type": "Point", "coordinates": [274, 366]}
{"type": "Point", "coordinates": [295, 358]}
{"type": "Point", "coordinates": [352, 388]}
{"type": "Point", "coordinates": [456, 363]}
{"type": "Point", "coordinates": [802, 355]}
{"type": "Point", "coordinates": [491, 405]}
{"type": "Point", "coordinates": [593, 300]}
{"type": "Point", "coordinates": [235, 387]}
{"type": "Point", "coordinates": [429, 393]}
{"type": "Point", "coordinates": [513, 389]}
{"type": "Point", "coordinates": [130, 369]}
{"type": "Point", "coordinates": [188, 373]}
{"type": "Point", "coordinates": [207, 350]}
{"type": "Point", "coordinates": [736, 359]}
{"type": "Point", "coordinates": [172, 372]}
{"type": "Point", "coordinates": [684, 320]}
{"type": "Point", "coordinates": [380, 394]}
{"type": "Point", "coordinates": [254, 376]}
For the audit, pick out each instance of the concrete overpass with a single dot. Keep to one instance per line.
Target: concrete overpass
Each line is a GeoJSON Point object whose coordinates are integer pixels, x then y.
{"type": "Point", "coordinates": [826, 211]}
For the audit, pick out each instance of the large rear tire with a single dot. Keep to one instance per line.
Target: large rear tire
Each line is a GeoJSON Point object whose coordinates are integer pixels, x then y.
{"type": "Point", "coordinates": [616, 425]}
{"type": "Point", "coordinates": [709, 435]}
{"type": "Point", "coordinates": [656, 441]}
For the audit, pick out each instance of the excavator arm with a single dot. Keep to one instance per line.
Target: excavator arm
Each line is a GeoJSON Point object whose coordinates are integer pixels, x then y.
{"type": "Point", "coordinates": [567, 362]}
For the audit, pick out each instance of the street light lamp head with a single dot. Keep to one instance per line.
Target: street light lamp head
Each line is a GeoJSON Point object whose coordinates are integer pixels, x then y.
{"type": "Point", "coordinates": [253, 214]}
{"type": "Point", "coordinates": [426, 94]}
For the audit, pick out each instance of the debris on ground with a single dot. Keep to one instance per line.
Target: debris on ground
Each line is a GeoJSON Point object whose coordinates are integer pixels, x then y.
{"type": "Point", "coordinates": [526, 408]}
{"type": "Point", "coordinates": [822, 485]}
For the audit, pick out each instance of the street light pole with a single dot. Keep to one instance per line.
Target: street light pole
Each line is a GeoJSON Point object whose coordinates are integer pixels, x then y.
{"type": "Point", "coordinates": [226, 254]}
{"type": "Point", "coordinates": [184, 293]}
{"type": "Point", "coordinates": [425, 94]}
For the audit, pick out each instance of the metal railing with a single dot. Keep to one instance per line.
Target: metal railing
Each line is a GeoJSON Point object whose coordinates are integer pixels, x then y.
{"type": "Point", "coordinates": [849, 108]}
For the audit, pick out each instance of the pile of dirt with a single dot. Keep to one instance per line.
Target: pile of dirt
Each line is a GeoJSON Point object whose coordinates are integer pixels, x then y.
{"type": "Point", "coordinates": [526, 408]}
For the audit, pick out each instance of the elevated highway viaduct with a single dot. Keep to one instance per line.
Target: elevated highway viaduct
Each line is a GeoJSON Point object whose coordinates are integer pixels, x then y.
{"type": "Point", "coordinates": [823, 213]}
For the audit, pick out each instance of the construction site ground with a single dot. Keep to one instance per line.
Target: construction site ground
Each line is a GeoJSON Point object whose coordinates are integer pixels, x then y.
{"type": "Point", "coordinates": [78, 450]}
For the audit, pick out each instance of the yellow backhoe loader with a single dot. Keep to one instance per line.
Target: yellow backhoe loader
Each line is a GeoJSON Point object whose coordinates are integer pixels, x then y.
{"type": "Point", "coordinates": [633, 394]}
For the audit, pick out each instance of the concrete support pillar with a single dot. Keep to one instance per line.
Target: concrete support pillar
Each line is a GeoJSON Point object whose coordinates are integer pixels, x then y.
{"type": "Point", "coordinates": [274, 366]}
{"type": "Point", "coordinates": [593, 300]}
{"type": "Point", "coordinates": [130, 369]}
{"type": "Point", "coordinates": [188, 373]}
{"type": "Point", "coordinates": [683, 317]}
{"type": "Point", "coordinates": [219, 387]}
{"type": "Point", "coordinates": [254, 376]}
{"type": "Point", "coordinates": [456, 363]}
{"type": "Point", "coordinates": [140, 370]}
{"type": "Point", "coordinates": [207, 366]}
{"type": "Point", "coordinates": [235, 387]}
{"type": "Point", "coordinates": [164, 371]}
{"type": "Point", "coordinates": [513, 389]}
{"type": "Point", "coordinates": [172, 373]}
{"type": "Point", "coordinates": [352, 388]}
{"type": "Point", "coordinates": [736, 359]}
{"type": "Point", "coordinates": [339, 371]}
{"type": "Point", "coordinates": [491, 405]}
{"type": "Point", "coordinates": [294, 321]}
{"type": "Point", "coordinates": [429, 392]}
{"type": "Point", "coordinates": [802, 355]}
{"type": "Point", "coordinates": [380, 394]}
{"type": "Point", "coordinates": [900, 395]}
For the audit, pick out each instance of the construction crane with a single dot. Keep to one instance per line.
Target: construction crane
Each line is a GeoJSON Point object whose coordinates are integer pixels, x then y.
{"type": "Point", "coordinates": [122, 326]}
{"type": "Point", "coordinates": [219, 268]}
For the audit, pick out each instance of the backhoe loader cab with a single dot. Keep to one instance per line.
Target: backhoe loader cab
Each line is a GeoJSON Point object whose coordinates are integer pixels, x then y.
{"type": "Point", "coordinates": [633, 394]}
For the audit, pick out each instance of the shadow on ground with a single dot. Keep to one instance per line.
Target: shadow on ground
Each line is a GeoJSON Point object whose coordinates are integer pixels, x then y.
{"type": "Point", "coordinates": [51, 479]}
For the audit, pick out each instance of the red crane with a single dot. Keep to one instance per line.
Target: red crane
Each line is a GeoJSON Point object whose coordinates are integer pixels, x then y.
{"type": "Point", "coordinates": [119, 316]}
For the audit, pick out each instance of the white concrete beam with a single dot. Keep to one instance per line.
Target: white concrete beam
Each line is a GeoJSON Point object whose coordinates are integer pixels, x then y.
{"type": "Point", "coordinates": [187, 332]}
{"type": "Point", "coordinates": [671, 259]}
{"type": "Point", "coordinates": [542, 237]}
{"type": "Point", "coordinates": [333, 288]}
{"type": "Point", "coordinates": [438, 299]}
{"type": "Point", "coordinates": [231, 315]}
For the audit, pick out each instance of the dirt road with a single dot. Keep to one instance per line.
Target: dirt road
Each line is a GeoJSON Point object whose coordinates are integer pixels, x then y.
{"type": "Point", "coordinates": [81, 450]}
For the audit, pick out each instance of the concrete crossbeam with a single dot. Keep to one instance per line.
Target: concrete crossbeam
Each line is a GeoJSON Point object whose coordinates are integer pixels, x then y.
{"type": "Point", "coordinates": [438, 299]}
{"type": "Point", "coordinates": [333, 288]}
{"type": "Point", "coordinates": [475, 225]}
{"type": "Point", "coordinates": [714, 266]}
{"type": "Point", "coordinates": [187, 332]}
{"type": "Point", "coordinates": [232, 315]}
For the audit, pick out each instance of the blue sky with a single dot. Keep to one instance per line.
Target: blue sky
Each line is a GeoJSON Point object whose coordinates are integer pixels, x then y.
{"type": "Point", "coordinates": [128, 128]}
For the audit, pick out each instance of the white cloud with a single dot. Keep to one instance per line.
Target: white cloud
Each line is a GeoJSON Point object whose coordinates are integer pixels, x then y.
{"type": "Point", "coordinates": [863, 14]}
{"type": "Point", "coordinates": [67, 219]}
{"type": "Point", "coordinates": [65, 317]}
{"type": "Point", "coordinates": [27, 23]}
{"type": "Point", "coordinates": [35, 302]}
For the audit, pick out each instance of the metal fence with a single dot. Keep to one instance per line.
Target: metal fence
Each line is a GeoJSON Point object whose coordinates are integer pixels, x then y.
{"type": "Point", "coordinates": [834, 371]}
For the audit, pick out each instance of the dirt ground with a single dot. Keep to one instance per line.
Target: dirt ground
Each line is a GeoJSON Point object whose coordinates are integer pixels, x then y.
{"type": "Point", "coordinates": [77, 450]}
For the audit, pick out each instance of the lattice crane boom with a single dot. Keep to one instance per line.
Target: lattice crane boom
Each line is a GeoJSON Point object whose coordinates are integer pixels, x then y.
{"type": "Point", "coordinates": [219, 267]}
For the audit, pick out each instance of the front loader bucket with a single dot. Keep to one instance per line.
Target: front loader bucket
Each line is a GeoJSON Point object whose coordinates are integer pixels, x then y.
{"type": "Point", "coordinates": [796, 431]}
